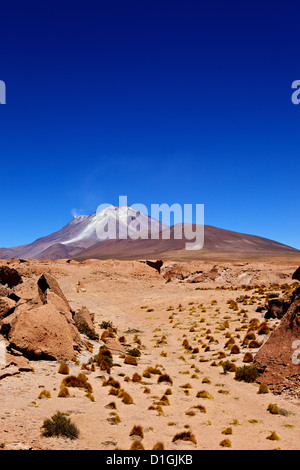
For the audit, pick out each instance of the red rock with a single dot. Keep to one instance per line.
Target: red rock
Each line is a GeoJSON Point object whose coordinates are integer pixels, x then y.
{"type": "Point", "coordinates": [296, 274]}
{"type": "Point", "coordinates": [43, 333]}
{"type": "Point", "coordinates": [6, 305]}
{"type": "Point", "coordinates": [9, 276]}
{"type": "Point", "coordinates": [277, 357]}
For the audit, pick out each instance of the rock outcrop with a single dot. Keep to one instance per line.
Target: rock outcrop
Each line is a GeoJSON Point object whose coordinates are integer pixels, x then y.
{"type": "Point", "coordinates": [296, 274]}
{"type": "Point", "coordinates": [43, 333]}
{"type": "Point", "coordinates": [277, 308]}
{"type": "Point", "coordinates": [84, 321]}
{"type": "Point", "coordinates": [36, 318]}
{"type": "Point", "coordinates": [279, 357]}
{"type": "Point", "coordinates": [155, 264]}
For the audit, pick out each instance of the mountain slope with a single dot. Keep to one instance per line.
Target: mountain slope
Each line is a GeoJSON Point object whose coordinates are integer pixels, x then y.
{"type": "Point", "coordinates": [83, 232]}
{"type": "Point", "coordinates": [79, 239]}
{"type": "Point", "coordinates": [216, 240]}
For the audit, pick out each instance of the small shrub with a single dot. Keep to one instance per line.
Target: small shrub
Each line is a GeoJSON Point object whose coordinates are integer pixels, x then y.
{"type": "Point", "coordinates": [146, 374]}
{"type": "Point", "coordinates": [134, 352]}
{"type": "Point", "coordinates": [235, 349]}
{"type": "Point", "coordinates": [200, 408]}
{"type": "Point", "coordinates": [263, 329]}
{"type": "Point", "coordinates": [127, 399]}
{"type": "Point", "coordinates": [137, 431]}
{"type": "Point", "coordinates": [104, 359]}
{"type": "Point", "coordinates": [90, 396]}
{"type": "Point", "coordinates": [86, 330]}
{"type": "Point", "coordinates": [204, 394]}
{"type": "Point", "coordinates": [60, 425]}
{"type": "Point", "coordinates": [77, 382]}
{"type": "Point", "coordinates": [112, 405]}
{"type": "Point", "coordinates": [273, 437]}
{"type": "Point", "coordinates": [112, 382]}
{"type": "Point", "coordinates": [186, 345]}
{"type": "Point", "coordinates": [186, 386]}
{"type": "Point", "coordinates": [164, 401]}
{"type": "Point", "coordinates": [130, 360]}
{"type": "Point", "coordinates": [63, 368]}
{"type": "Point", "coordinates": [228, 367]}
{"type": "Point", "coordinates": [263, 388]}
{"type": "Point", "coordinates": [63, 392]}
{"type": "Point", "coordinates": [136, 445]}
{"type": "Point", "coordinates": [136, 378]}
{"type": "Point", "coordinates": [205, 380]}
{"type": "Point", "coordinates": [247, 374]}
{"type": "Point", "coordinates": [105, 325]}
{"type": "Point", "coordinates": [229, 343]}
{"type": "Point", "coordinates": [158, 446]}
{"type": "Point", "coordinates": [190, 413]}
{"type": "Point", "coordinates": [157, 408]}
{"type": "Point", "coordinates": [44, 394]}
{"type": "Point", "coordinates": [165, 378]}
{"type": "Point", "coordinates": [254, 344]}
{"type": "Point", "coordinates": [248, 357]}
{"type": "Point", "coordinates": [114, 418]}
{"type": "Point", "coordinates": [225, 443]}
{"type": "Point", "coordinates": [227, 431]}
{"type": "Point", "coordinates": [185, 436]}
{"type": "Point", "coordinates": [154, 370]}
{"type": "Point", "coordinates": [249, 337]}
{"type": "Point", "coordinates": [273, 409]}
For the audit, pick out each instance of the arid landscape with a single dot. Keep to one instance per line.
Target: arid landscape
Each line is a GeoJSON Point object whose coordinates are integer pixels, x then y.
{"type": "Point", "coordinates": [149, 242]}
{"type": "Point", "coordinates": [174, 339]}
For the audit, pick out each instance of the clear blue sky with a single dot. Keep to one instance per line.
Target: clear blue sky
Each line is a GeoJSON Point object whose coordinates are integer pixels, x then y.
{"type": "Point", "coordinates": [162, 101]}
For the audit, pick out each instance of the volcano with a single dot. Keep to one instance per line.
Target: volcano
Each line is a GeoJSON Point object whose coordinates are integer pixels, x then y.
{"type": "Point", "coordinates": [79, 239]}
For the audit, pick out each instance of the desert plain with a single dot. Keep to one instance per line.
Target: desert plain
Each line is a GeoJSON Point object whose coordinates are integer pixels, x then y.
{"type": "Point", "coordinates": [182, 323]}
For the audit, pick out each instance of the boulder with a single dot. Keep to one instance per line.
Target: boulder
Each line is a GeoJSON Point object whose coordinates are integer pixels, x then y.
{"type": "Point", "coordinates": [115, 346]}
{"type": "Point", "coordinates": [43, 333]}
{"type": "Point", "coordinates": [47, 284]}
{"type": "Point", "coordinates": [27, 291]}
{"type": "Point", "coordinates": [296, 274]}
{"type": "Point", "coordinates": [83, 320]}
{"type": "Point", "coordinates": [9, 276]}
{"type": "Point", "coordinates": [6, 306]}
{"type": "Point", "coordinates": [277, 308]}
{"type": "Point", "coordinates": [37, 320]}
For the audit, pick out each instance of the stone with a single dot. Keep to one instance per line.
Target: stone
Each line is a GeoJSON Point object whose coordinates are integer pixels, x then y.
{"type": "Point", "coordinates": [296, 274]}
{"type": "Point", "coordinates": [9, 276]}
{"type": "Point", "coordinates": [43, 333]}
{"type": "Point", "coordinates": [6, 306]}
{"type": "Point", "coordinates": [84, 320]}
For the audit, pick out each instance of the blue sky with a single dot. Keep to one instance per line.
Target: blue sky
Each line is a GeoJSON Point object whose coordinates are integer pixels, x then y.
{"type": "Point", "coordinates": [162, 101]}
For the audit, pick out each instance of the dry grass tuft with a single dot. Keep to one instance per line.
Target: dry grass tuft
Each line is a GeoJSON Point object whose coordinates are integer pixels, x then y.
{"type": "Point", "coordinates": [165, 378]}
{"type": "Point", "coordinates": [63, 368]}
{"type": "Point", "coordinates": [185, 436]}
{"type": "Point", "coordinates": [137, 431]}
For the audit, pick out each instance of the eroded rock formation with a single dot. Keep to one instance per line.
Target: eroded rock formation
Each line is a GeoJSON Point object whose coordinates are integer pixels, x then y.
{"type": "Point", "coordinates": [36, 318]}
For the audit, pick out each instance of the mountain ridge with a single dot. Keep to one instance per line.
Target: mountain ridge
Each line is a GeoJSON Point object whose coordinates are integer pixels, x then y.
{"type": "Point", "coordinates": [79, 239]}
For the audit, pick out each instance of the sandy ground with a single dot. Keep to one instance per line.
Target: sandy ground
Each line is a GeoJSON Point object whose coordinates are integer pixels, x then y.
{"type": "Point", "coordinates": [144, 307]}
